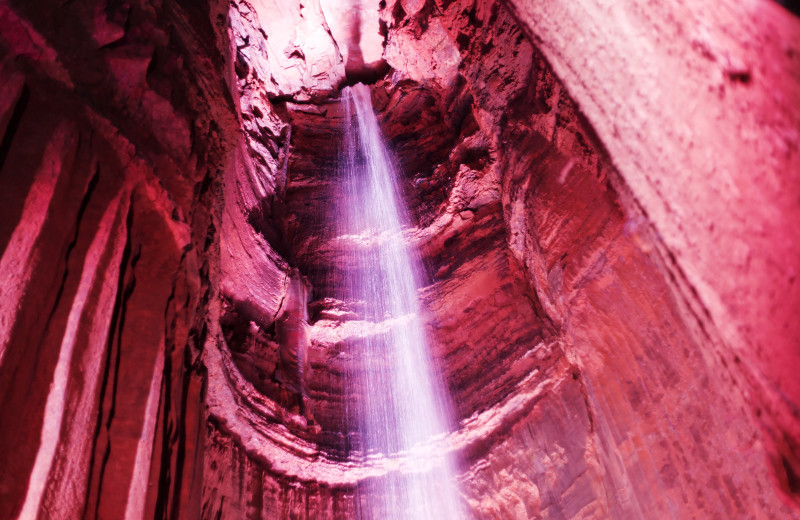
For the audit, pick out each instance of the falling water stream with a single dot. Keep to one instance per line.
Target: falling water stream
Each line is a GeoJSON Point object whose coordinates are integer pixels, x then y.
{"type": "Point", "coordinates": [402, 414]}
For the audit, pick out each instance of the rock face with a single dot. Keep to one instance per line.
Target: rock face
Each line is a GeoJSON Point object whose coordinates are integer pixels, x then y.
{"type": "Point", "coordinates": [605, 200]}
{"type": "Point", "coordinates": [115, 124]}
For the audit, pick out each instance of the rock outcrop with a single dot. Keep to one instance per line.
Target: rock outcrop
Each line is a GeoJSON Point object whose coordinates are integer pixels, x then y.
{"type": "Point", "coordinates": [604, 199]}
{"type": "Point", "coordinates": [115, 126]}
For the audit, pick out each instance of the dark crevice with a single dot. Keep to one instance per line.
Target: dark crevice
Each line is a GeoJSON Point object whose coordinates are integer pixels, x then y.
{"type": "Point", "coordinates": [73, 242]}
{"type": "Point", "coordinates": [125, 297]}
{"type": "Point", "coordinates": [13, 124]}
{"type": "Point", "coordinates": [792, 478]}
{"type": "Point", "coordinates": [180, 437]}
{"type": "Point", "coordinates": [112, 331]}
{"type": "Point", "coordinates": [107, 452]}
{"type": "Point", "coordinates": [739, 76]}
{"type": "Point", "coordinates": [170, 312]}
{"type": "Point", "coordinates": [162, 399]}
{"type": "Point", "coordinates": [164, 479]}
{"type": "Point", "coordinates": [398, 14]}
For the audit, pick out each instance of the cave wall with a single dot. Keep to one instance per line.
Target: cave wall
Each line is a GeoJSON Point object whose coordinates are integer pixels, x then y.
{"type": "Point", "coordinates": [511, 184]}
{"type": "Point", "coordinates": [113, 133]}
{"type": "Point", "coordinates": [605, 212]}
{"type": "Point", "coordinates": [629, 320]}
{"type": "Point", "coordinates": [698, 107]}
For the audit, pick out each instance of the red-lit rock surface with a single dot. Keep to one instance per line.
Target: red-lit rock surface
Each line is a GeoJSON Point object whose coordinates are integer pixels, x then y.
{"type": "Point", "coordinates": [114, 125]}
{"type": "Point", "coordinates": [604, 198]}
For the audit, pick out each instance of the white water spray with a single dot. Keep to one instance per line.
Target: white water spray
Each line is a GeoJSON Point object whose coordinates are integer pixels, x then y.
{"type": "Point", "coordinates": [403, 413]}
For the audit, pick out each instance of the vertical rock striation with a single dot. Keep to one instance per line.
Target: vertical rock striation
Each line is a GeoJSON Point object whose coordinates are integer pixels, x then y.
{"type": "Point", "coordinates": [113, 131]}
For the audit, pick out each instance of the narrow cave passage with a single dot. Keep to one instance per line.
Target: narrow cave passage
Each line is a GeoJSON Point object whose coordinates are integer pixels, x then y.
{"type": "Point", "coordinates": [603, 203]}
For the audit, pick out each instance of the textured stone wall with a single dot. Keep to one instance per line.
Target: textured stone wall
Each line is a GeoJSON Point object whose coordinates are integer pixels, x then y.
{"type": "Point", "coordinates": [115, 123]}
{"type": "Point", "coordinates": [697, 105]}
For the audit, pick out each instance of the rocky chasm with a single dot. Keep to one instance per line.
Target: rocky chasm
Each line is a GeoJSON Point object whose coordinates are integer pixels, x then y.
{"type": "Point", "coordinates": [604, 199]}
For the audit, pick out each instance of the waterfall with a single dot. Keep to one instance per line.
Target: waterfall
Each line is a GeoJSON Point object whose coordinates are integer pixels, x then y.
{"type": "Point", "coordinates": [402, 412]}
